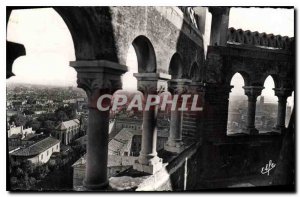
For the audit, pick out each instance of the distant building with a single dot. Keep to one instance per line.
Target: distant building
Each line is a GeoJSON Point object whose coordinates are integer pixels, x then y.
{"type": "Point", "coordinates": [13, 130]}
{"type": "Point", "coordinates": [67, 131]}
{"type": "Point", "coordinates": [40, 112]}
{"type": "Point", "coordinates": [121, 143]}
{"type": "Point", "coordinates": [16, 140]}
{"type": "Point", "coordinates": [39, 152]}
{"type": "Point", "coordinates": [10, 113]}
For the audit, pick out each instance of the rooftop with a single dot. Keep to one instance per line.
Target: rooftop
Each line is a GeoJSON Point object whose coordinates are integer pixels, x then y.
{"type": "Point", "coordinates": [67, 124]}
{"type": "Point", "coordinates": [37, 148]}
{"type": "Point", "coordinates": [120, 142]}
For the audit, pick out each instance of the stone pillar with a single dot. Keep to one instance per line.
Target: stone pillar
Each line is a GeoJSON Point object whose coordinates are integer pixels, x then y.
{"type": "Point", "coordinates": [150, 83]}
{"type": "Point", "coordinates": [215, 111]}
{"type": "Point", "coordinates": [252, 92]}
{"type": "Point", "coordinates": [174, 143]}
{"type": "Point", "coordinates": [219, 25]}
{"type": "Point", "coordinates": [214, 126]}
{"type": "Point", "coordinates": [97, 78]}
{"type": "Point", "coordinates": [282, 94]}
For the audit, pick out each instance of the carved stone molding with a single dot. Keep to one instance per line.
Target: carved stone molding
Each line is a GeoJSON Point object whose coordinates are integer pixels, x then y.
{"type": "Point", "coordinates": [179, 86]}
{"type": "Point", "coordinates": [283, 93]}
{"type": "Point", "coordinates": [253, 92]}
{"type": "Point", "coordinates": [152, 83]}
{"type": "Point", "coordinates": [98, 76]}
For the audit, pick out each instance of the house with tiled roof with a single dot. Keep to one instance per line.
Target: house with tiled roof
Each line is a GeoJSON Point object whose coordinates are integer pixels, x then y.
{"type": "Point", "coordinates": [67, 131]}
{"type": "Point", "coordinates": [121, 143]}
{"type": "Point", "coordinates": [39, 152]}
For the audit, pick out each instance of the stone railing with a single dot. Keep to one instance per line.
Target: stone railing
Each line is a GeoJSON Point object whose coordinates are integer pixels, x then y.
{"type": "Point", "coordinates": [259, 39]}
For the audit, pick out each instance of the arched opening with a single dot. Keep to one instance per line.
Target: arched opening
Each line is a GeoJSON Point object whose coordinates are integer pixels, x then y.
{"type": "Point", "coordinates": [237, 107]}
{"type": "Point", "coordinates": [49, 47]}
{"type": "Point", "coordinates": [128, 80]}
{"type": "Point", "coordinates": [194, 72]}
{"type": "Point", "coordinates": [43, 92]}
{"type": "Point", "coordinates": [175, 68]}
{"type": "Point", "coordinates": [145, 55]}
{"type": "Point", "coordinates": [289, 108]}
{"type": "Point", "coordinates": [266, 107]}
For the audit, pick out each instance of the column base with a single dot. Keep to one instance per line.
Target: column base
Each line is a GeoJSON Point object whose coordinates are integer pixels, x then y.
{"type": "Point", "coordinates": [154, 165]}
{"type": "Point", "coordinates": [174, 147]}
{"type": "Point", "coordinates": [95, 186]}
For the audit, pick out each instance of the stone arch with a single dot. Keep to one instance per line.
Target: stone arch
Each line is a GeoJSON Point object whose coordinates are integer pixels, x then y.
{"type": "Point", "coordinates": [96, 43]}
{"type": "Point", "coordinates": [194, 73]}
{"type": "Point", "coordinates": [145, 54]}
{"type": "Point", "coordinates": [128, 80]}
{"type": "Point", "coordinates": [66, 34]}
{"type": "Point", "coordinates": [176, 66]}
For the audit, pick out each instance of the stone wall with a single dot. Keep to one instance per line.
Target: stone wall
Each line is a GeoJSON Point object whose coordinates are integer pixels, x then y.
{"type": "Point", "coordinates": [113, 29]}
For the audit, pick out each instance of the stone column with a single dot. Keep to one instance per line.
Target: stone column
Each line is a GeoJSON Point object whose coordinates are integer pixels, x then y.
{"type": "Point", "coordinates": [219, 25]}
{"type": "Point", "coordinates": [150, 83]}
{"type": "Point", "coordinates": [97, 78]}
{"type": "Point", "coordinates": [174, 143]}
{"type": "Point", "coordinates": [252, 92]}
{"type": "Point", "coordinates": [282, 94]}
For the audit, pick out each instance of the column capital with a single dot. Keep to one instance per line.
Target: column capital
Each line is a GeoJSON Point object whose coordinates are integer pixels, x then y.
{"type": "Point", "coordinates": [196, 87]}
{"type": "Point", "coordinates": [253, 91]}
{"type": "Point", "coordinates": [96, 77]}
{"type": "Point", "coordinates": [283, 92]}
{"type": "Point", "coordinates": [152, 83]}
{"type": "Point", "coordinates": [179, 86]}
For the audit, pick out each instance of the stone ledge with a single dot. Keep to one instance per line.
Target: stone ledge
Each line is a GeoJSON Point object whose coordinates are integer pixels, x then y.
{"type": "Point", "coordinates": [132, 180]}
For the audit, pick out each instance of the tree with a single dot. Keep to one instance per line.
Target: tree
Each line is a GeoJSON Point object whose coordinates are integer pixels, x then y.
{"type": "Point", "coordinates": [27, 166]}
{"type": "Point", "coordinates": [69, 111]}
{"type": "Point", "coordinates": [61, 116]}
{"type": "Point", "coordinates": [13, 181]}
{"type": "Point", "coordinates": [35, 124]}
{"type": "Point", "coordinates": [28, 112]}
{"type": "Point", "coordinates": [49, 125]}
{"type": "Point", "coordinates": [20, 173]}
{"type": "Point", "coordinates": [19, 120]}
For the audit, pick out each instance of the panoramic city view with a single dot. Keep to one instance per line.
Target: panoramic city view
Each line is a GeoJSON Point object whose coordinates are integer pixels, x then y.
{"type": "Point", "coordinates": [266, 108]}
{"type": "Point", "coordinates": [240, 73]}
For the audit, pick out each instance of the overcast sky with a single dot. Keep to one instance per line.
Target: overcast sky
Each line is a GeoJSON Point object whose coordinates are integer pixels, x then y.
{"type": "Point", "coordinates": [49, 46]}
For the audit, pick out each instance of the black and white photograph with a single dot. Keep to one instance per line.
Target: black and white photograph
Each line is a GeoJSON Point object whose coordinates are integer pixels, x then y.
{"type": "Point", "coordinates": [150, 98]}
